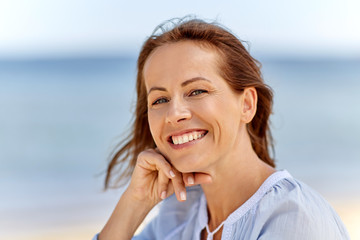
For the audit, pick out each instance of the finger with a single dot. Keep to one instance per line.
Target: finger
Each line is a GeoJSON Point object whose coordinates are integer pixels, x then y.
{"type": "Point", "coordinates": [188, 179]}
{"type": "Point", "coordinates": [156, 150]}
{"type": "Point", "coordinates": [163, 183]}
{"type": "Point", "coordinates": [170, 189]}
{"type": "Point", "coordinates": [151, 160]}
{"type": "Point", "coordinates": [202, 178]}
{"type": "Point", "coordinates": [179, 187]}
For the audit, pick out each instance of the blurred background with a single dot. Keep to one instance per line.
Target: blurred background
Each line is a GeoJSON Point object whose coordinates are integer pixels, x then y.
{"type": "Point", "coordinates": [67, 77]}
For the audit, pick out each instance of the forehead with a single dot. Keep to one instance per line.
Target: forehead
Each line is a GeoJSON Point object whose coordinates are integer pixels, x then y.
{"type": "Point", "coordinates": [180, 61]}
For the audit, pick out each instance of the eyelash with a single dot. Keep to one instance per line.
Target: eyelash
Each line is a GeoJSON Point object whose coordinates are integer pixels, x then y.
{"type": "Point", "coordinates": [197, 90]}
{"type": "Point", "coordinates": [157, 101]}
{"type": "Point", "coordinates": [192, 93]}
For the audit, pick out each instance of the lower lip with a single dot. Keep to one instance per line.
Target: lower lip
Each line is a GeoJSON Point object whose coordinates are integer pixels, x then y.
{"type": "Point", "coordinates": [188, 144]}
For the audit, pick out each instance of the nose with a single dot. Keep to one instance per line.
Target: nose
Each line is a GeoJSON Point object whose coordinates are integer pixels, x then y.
{"type": "Point", "coordinates": [178, 111]}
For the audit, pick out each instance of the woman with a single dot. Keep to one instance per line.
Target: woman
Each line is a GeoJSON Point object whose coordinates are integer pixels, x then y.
{"type": "Point", "coordinates": [202, 118]}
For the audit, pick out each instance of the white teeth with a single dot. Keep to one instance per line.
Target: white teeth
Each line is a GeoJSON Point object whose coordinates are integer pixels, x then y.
{"type": "Point", "coordinates": [186, 138]}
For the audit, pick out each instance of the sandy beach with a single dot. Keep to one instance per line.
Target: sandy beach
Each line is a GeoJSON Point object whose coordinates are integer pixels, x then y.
{"type": "Point", "coordinates": [349, 211]}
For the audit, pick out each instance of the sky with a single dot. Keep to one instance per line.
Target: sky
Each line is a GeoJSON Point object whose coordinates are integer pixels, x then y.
{"type": "Point", "coordinates": [43, 28]}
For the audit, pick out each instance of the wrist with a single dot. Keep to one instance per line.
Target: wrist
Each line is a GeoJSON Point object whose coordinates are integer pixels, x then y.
{"type": "Point", "coordinates": [134, 200]}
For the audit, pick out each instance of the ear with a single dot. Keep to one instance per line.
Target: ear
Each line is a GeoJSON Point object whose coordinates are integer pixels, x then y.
{"type": "Point", "coordinates": [249, 104]}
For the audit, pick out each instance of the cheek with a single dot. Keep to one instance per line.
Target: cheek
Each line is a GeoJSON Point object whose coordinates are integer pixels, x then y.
{"type": "Point", "coordinates": [226, 116]}
{"type": "Point", "coordinates": [155, 125]}
{"type": "Point", "coordinates": [218, 110]}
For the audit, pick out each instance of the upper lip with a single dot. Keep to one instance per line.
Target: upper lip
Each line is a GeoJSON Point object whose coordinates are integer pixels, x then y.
{"type": "Point", "coordinates": [178, 133]}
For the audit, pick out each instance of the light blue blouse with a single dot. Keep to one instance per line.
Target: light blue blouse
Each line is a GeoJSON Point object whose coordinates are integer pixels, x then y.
{"type": "Point", "coordinates": [282, 208]}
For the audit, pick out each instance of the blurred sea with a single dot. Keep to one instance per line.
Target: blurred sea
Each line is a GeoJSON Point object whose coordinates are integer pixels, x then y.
{"type": "Point", "coordinates": [60, 118]}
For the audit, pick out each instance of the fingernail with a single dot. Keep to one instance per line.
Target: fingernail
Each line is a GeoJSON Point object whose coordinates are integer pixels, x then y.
{"type": "Point", "coordinates": [163, 195]}
{"type": "Point", "coordinates": [183, 196]}
{"type": "Point", "coordinates": [190, 180]}
{"type": "Point", "coordinates": [172, 174]}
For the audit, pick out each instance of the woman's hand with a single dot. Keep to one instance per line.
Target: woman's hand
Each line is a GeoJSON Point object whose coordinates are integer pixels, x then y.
{"type": "Point", "coordinates": [155, 179]}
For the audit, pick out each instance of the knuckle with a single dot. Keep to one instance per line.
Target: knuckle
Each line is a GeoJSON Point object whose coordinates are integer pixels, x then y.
{"type": "Point", "coordinates": [163, 187]}
{"type": "Point", "coordinates": [146, 154]}
{"type": "Point", "coordinates": [178, 181]}
{"type": "Point", "coordinates": [142, 155]}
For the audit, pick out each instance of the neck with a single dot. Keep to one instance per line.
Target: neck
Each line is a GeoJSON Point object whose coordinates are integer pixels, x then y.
{"type": "Point", "coordinates": [235, 180]}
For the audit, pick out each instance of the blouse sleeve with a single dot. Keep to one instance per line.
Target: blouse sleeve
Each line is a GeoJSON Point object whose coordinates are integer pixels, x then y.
{"type": "Point", "coordinates": [146, 234]}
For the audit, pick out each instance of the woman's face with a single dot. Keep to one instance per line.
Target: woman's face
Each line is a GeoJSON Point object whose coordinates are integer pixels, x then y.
{"type": "Point", "coordinates": [194, 115]}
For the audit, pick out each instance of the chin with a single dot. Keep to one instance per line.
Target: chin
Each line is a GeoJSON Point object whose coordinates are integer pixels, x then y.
{"type": "Point", "coordinates": [186, 165]}
{"type": "Point", "coordinates": [185, 169]}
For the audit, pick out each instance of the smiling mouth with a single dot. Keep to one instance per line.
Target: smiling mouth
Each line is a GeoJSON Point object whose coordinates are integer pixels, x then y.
{"type": "Point", "coordinates": [187, 137]}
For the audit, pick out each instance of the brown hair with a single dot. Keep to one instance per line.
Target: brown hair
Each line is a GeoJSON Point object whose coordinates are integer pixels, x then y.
{"type": "Point", "coordinates": [237, 67]}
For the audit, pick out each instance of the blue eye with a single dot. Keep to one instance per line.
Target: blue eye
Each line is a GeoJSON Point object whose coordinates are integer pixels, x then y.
{"type": "Point", "coordinates": [197, 92]}
{"type": "Point", "coordinates": [159, 101]}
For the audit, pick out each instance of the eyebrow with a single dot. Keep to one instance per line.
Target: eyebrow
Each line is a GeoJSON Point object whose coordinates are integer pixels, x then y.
{"type": "Point", "coordinates": [191, 80]}
{"type": "Point", "coordinates": [185, 83]}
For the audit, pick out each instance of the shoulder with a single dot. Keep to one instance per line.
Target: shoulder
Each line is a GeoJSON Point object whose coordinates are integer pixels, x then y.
{"type": "Point", "coordinates": [292, 210]}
